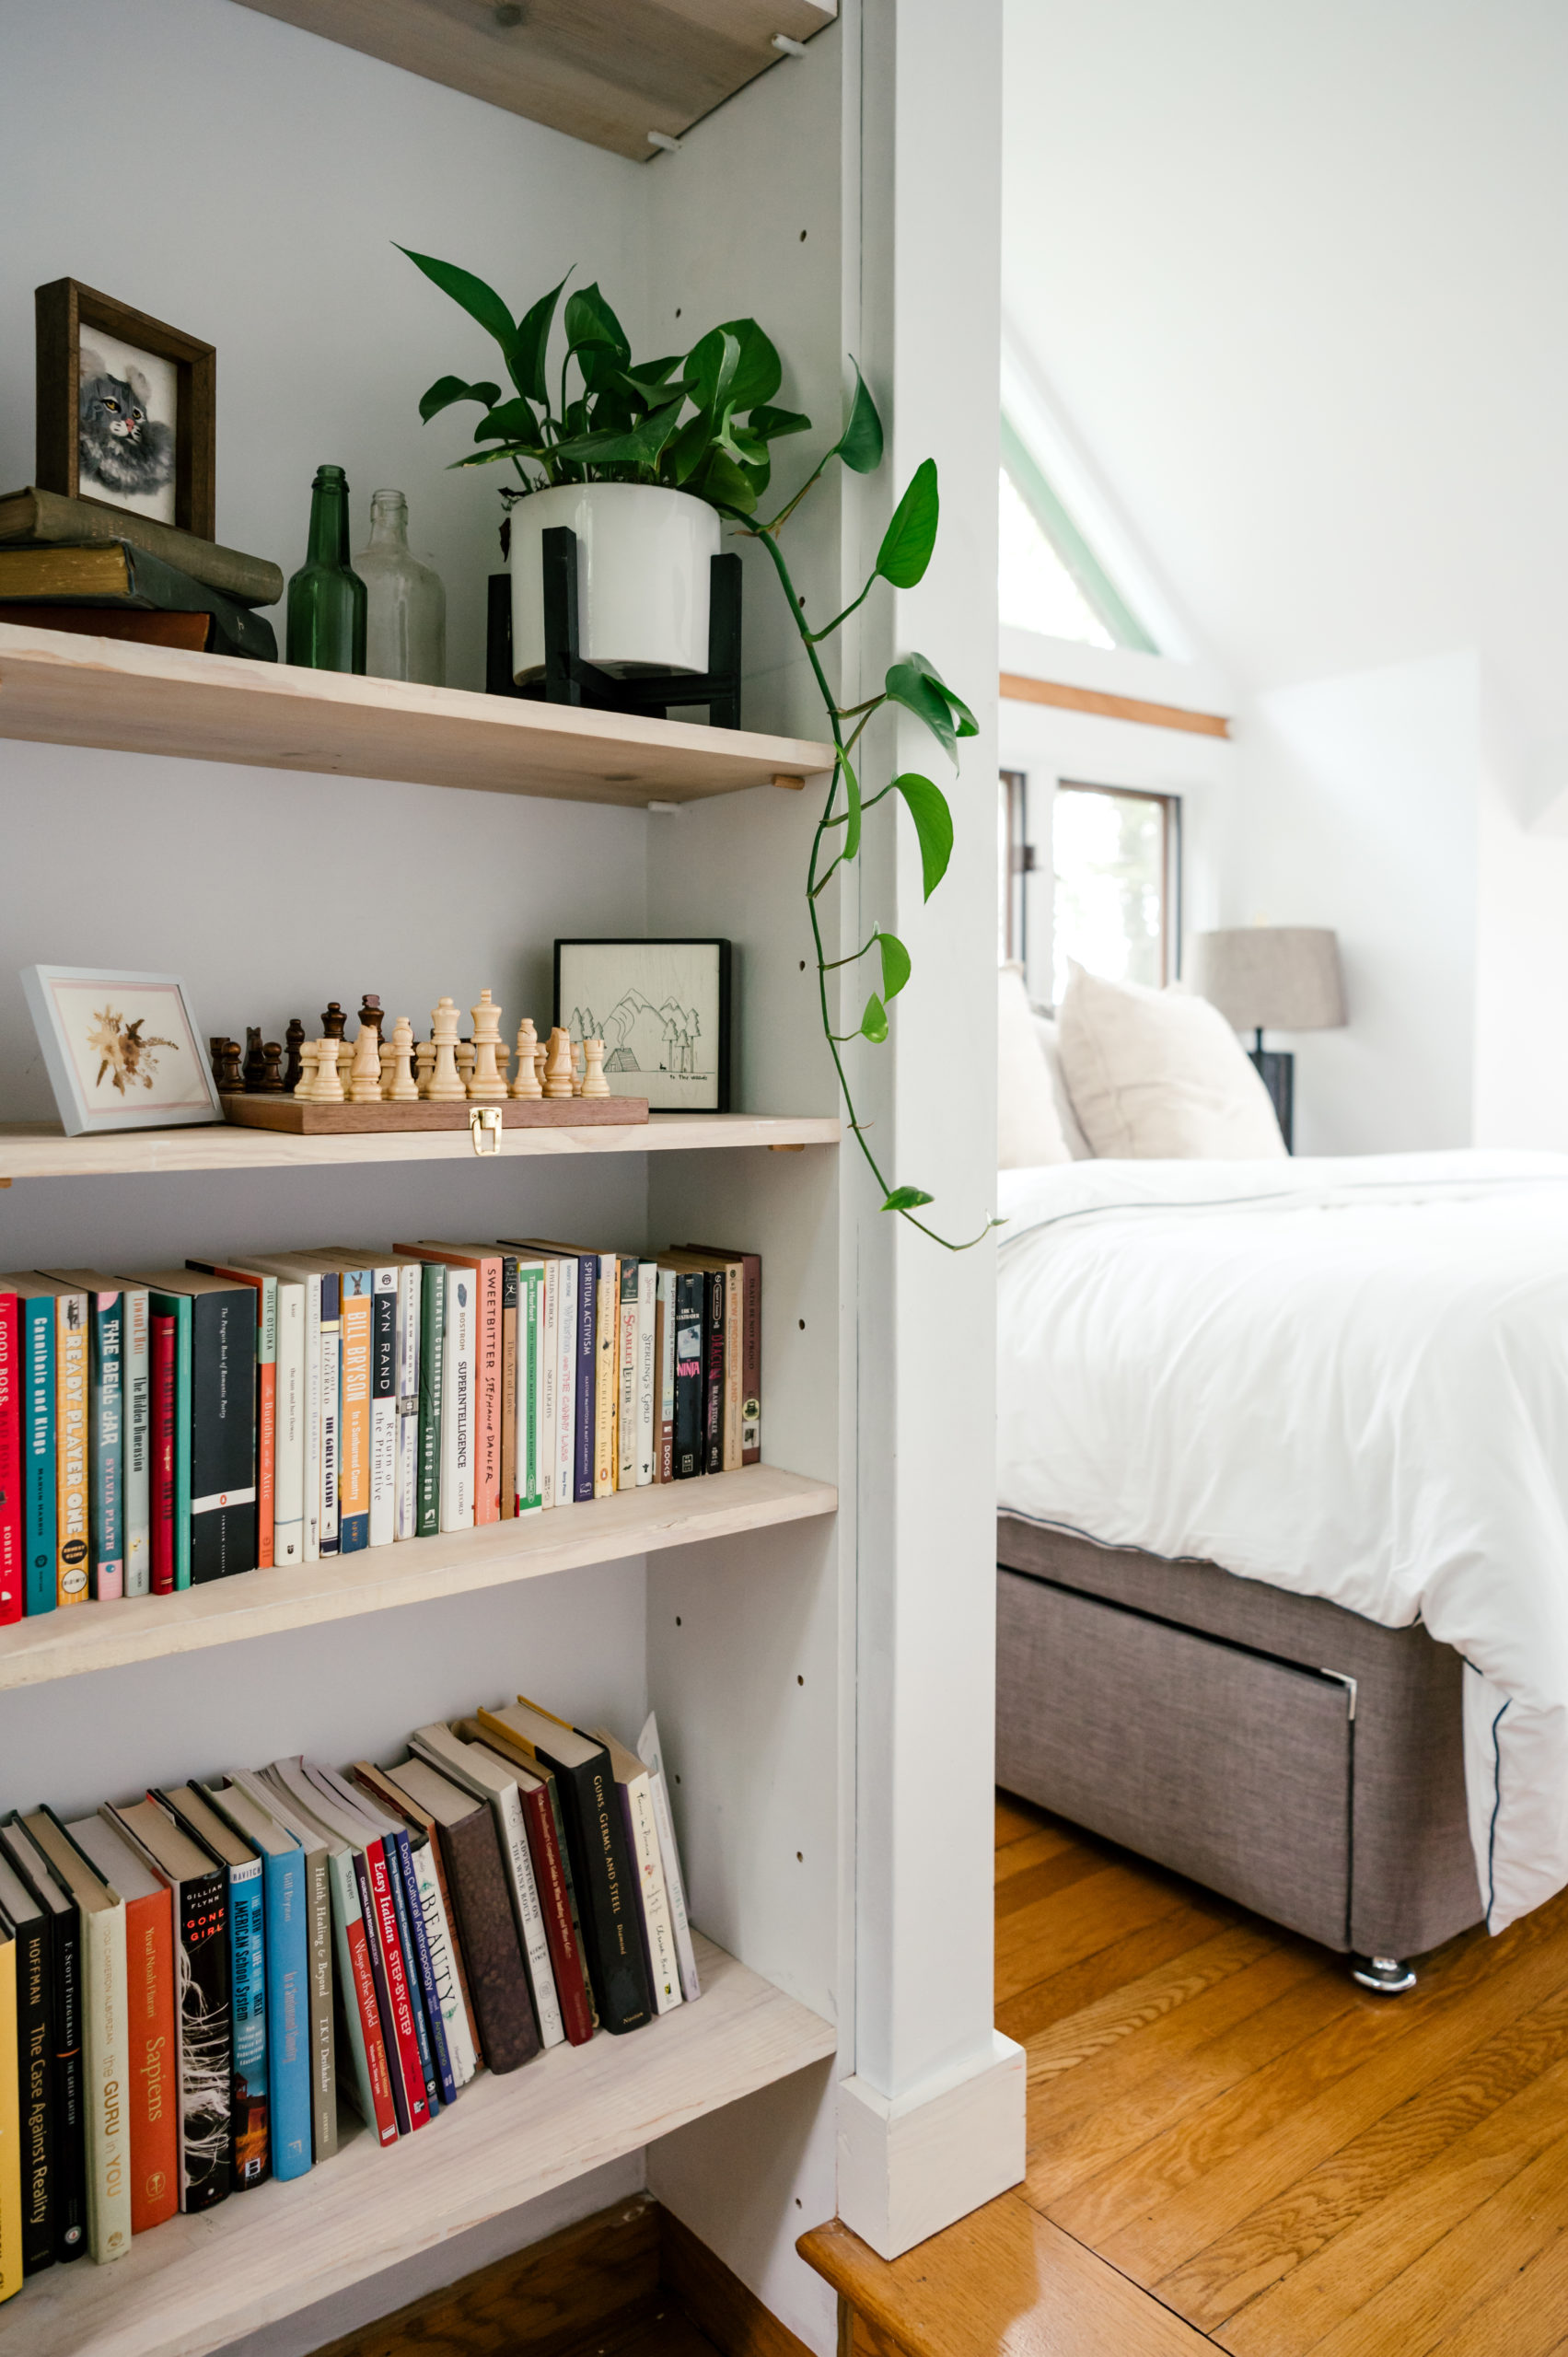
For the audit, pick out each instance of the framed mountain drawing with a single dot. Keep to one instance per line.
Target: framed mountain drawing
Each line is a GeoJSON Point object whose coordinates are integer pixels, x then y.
{"type": "Point", "coordinates": [661, 1008]}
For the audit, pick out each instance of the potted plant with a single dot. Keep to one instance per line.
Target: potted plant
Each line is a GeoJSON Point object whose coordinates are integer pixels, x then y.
{"type": "Point", "coordinates": [639, 461]}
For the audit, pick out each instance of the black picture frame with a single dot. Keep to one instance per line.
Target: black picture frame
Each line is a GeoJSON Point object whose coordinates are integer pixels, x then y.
{"type": "Point", "coordinates": [713, 1093]}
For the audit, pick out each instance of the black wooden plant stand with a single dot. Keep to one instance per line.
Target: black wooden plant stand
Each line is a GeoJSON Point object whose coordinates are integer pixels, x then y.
{"type": "Point", "coordinates": [569, 677]}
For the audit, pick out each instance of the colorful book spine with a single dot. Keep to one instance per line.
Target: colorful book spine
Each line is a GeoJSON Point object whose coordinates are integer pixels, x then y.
{"type": "Point", "coordinates": [354, 1512]}
{"type": "Point", "coordinates": [288, 1415]}
{"type": "Point", "coordinates": [367, 2076]}
{"type": "Point", "coordinates": [410, 1297]}
{"type": "Point", "coordinates": [286, 1905]}
{"type": "Point", "coordinates": [550, 1379]}
{"type": "Point", "coordinates": [713, 1370]}
{"type": "Point", "coordinates": [626, 1378]}
{"type": "Point", "coordinates": [106, 1451]}
{"type": "Point", "coordinates": [13, 1509]}
{"type": "Point", "coordinates": [136, 1386]}
{"type": "Point", "coordinates": [457, 1401]}
{"type": "Point", "coordinates": [432, 1331]}
{"type": "Point", "coordinates": [206, 2041]}
{"type": "Point", "coordinates": [266, 1422]}
{"type": "Point", "coordinates": [313, 1418]}
{"type": "Point", "coordinates": [72, 1387]}
{"type": "Point", "coordinates": [435, 2053]}
{"type": "Point", "coordinates": [165, 1352]}
{"type": "Point", "coordinates": [41, 1500]}
{"type": "Point", "coordinates": [400, 2000]}
{"type": "Point", "coordinates": [533, 1463]}
{"type": "Point", "coordinates": [249, 2126]}
{"type": "Point", "coordinates": [511, 1462]}
{"type": "Point", "coordinates": [647, 1332]}
{"type": "Point", "coordinates": [487, 1393]}
{"type": "Point", "coordinates": [584, 1382]}
{"type": "Point", "coordinates": [447, 1977]}
{"type": "Point", "coordinates": [150, 1983]}
{"type": "Point", "coordinates": [330, 1425]}
{"type": "Point", "coordinates": [606, 1335]}
{"type": "Point", "coordinates": [383, 1525]}
{"type": "Point", "coordinates": [566, 1324]}
{"type": "Point", "coordinates": [689, 1385]}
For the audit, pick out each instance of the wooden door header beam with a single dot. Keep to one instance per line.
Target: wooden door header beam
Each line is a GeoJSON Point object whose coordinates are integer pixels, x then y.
{"type": "Point", "coordinates": [1017, 688]}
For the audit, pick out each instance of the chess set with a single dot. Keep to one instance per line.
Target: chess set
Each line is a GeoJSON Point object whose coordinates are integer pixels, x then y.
{"type": "Point", "coordinates": [323, 1087]}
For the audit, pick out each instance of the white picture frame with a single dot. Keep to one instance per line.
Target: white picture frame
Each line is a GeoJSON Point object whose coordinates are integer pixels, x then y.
{"type": "Point", "coordinates": [123, 1050]}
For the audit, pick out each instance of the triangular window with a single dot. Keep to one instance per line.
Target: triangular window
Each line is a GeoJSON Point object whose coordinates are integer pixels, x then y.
{"type": "Point", "coordinates": [1049, 578]}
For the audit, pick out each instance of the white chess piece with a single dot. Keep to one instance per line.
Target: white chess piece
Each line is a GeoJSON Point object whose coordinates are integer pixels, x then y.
{"type": "Point", "coordinates": [464, 1054]}
{"type": "Point", "coordinates": [485, 1084]}
{"type": "Point", "coordinates": [527, 1082]}
{"type": "Point", "coordinates": [329, 1088]}
{"type": "Point", "coordinates": [558, 1070]}
{"type": "Point", "coordinates": [594, 1081]}
{"type": "Point", "coordinates": [425, 1064]}
{"type": "Point", "coordinates": [541, 1064]}
{"type": "Point", "coordinates": [402, 1088]}
{"type": "Point", "coordinates": [576, 1068]}
{"type": "Point", "coordinates": [309, 1052]}
{"type": "Point", "coordinates": [365, 1072]}
{"type": "Point", "coordinates": [445, 1082]}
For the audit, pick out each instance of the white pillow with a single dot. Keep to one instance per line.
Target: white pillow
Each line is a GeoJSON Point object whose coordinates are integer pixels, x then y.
{"type": "Point", "coordinates": [1046, 1033]}
{"type": "Point", "coordinates": [1028, 1130]}
{"type": "Point", "coordinates": [1159, 1075]}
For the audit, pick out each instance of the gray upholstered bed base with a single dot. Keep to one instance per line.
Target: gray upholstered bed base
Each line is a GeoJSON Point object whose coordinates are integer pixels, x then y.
{"type": "Point", "coordinates": [1282, 1750]}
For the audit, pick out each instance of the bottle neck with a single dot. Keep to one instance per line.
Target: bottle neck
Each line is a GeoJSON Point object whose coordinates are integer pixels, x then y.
{"type": "Point", "coordinates": [328, 544]}
{"type": "Point", "coordinates": [388, 520]}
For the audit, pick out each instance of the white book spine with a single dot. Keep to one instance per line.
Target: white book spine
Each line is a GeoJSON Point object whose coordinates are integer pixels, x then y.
{"type": "Point", "coordinates": [532, 1469]}
{"type": "Point", "coordinates": [457, 1403]}
{"type": "Point", "coordinates": [444, 1969]}
{"type": "Point", "coordinates": [407, 1402]}
{"type": "Point", "coordinates": [289, 1442]}
{"type": "Point", "coordinates": [646, 1845]}
{"type": "Point", "coordinates": [648, 1752]}
{"type": "Point", "coordinates": [383, 1410]}
{"type": "Point", "coordinates": [647, 1321]}
{"type": "Point", "coordinates": [331, 1408]}
{"type": "Point", "coordinates": [549, 1381]}
{"type": "Point", "coordinates": [312, 1420]}
{"type": "Point", "coordinates": [107, 2045]}
{"type": "Point", "coordinates": [566, 1383]}
{"type": "Point", "coordinates": [627, 1334]}
{"type": "Point", "coordinates": [509, 1807]}
{"type": "Point", "coordinates": [664, 1396]}
{"type": "Point", "coordinates": [136, 1377]}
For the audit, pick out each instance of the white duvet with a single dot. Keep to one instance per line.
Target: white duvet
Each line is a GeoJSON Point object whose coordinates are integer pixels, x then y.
{"type": "Point", "coordinates": [1349, 1378]}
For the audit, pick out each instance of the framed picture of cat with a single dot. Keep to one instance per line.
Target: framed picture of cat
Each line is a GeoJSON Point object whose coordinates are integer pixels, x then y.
{"type": "Point", "coordinates": [126, 409]}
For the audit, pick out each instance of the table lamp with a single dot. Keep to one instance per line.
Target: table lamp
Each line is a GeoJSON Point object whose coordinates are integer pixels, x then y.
{"type": "Point", "coordinates": [1274, 978]}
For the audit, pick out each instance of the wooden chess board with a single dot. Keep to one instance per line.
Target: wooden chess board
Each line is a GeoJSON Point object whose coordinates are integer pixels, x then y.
{"type": "Point", "coordinates": [301, 1118]}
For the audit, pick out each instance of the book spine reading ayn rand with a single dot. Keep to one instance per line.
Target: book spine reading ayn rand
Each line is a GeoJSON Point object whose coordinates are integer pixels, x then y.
{"type": "Point", "coordinates": [40, 1503]}
{"type": "Point", "coordinates": [136, 1391]}
{"type": "Point", "coordinates": [384, 1407]}
{"type": "Point", "coordinates": [13, 1509]}
{"type": "Point", "coordinates": [71, 1394]}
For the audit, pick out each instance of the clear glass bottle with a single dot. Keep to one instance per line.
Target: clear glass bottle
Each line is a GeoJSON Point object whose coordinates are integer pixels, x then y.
{"type": "Point", "coordinates": [326, 596]}
{"type": "Point", "coordinates": [406, 634]}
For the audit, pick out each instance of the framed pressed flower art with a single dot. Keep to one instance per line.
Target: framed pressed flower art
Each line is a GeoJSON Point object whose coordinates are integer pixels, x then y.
{"type": "Point", "coordinates": [122, 1051]}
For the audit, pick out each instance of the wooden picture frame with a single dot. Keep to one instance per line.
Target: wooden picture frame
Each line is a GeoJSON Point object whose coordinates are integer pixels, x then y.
{"type": "Point", "coordinates": [594, 977]}
{"type": "Point", "coordinates": [186, 370]}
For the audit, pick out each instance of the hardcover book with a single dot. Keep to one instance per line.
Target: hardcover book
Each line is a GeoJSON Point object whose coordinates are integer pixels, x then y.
{"type": "Point", "coordinates": [689, 1378]}
{"type": "Point", "coordinates": [432, 1332]}
{"type": "Point", "coordinates": [478, 1770]}
{"type": "Point", "coordinates": [11, 2261]}
{"type": "Point", "coordinates": [250, 2121]}
{"type": "Point", "coordinates": [633, 1785]}
{"type": "Point", "coordinates": [27, 1919]}
{"type": "Point", "coordinates": [221, 1512]}
{"type": "Point", "coordinates": [105, 2040]}
{"type": "Point", "coordinates": [383, 1406]}
{"type": "Point", "coordinates": [136, 1382]}
{"type": "Point", "coordinates": [294, 1926]}
{"type": "Point", "coordinates": [68, 2160]}
{"type": "Point", "coordinates": [118, 574]}
{"type": "Point", "coordinates": [547, 1845]}
{"type": "Point", "coordinates": [39, 1503]}
{"type": "Point", "coordinates": [485, 1264]}
{"type": "Point", "coordinates": [449, 1966]}
{"type": "Point", "coordinates": [36, 519]}
{"type": "Point", "coordinates": [745, 1282]}
{"type": "Point", "coordinates": [153, 2096]}
{"type": "Point", "coordinates": [106, 1473]}
{"type": "Point", "coordinates": [429, 2026]}
{"type": "Point", "coordinates": [72, 1403]}
{"type": "Point", "coordinates": [650, 1754]}
{"type": "Point", "coordinates": [12, 1569]}
{"type": "Point", "coordinates": [471, 1850]}
{"type": "Point", "coordinates": [266, 1289]}
{"type": "Point", "coordinates": [164, 1424]}
{"type": "Point", "coordinates": [509, 1372]}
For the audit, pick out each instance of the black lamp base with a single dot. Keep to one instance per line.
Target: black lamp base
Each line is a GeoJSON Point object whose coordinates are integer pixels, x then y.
{"type": "Point", "coordinates": [1275, 1068]}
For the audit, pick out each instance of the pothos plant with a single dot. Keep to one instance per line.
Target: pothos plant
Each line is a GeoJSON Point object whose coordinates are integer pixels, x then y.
{"type": "Point", "coordinates": [704, 422]}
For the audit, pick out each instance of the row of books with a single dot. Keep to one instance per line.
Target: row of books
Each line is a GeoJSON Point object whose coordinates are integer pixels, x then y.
{"type": "Point", "coordinates": [161, 1429]}
{"type": "Point", "coordinates": [191, 1980]}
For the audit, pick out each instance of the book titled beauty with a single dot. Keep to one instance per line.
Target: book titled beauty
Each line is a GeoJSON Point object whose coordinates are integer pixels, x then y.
{"type": "Point", "coordinates": [221, 1518]}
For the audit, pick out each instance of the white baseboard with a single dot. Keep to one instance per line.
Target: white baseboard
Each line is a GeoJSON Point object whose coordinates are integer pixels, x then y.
{"type": "Point", "coordinates": [910, 2165]}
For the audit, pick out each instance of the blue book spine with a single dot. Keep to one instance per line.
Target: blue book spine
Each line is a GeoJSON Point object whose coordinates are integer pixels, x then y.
{"type": "Point", "coordinates": [39, 1527]}
{"type": "Point", "coordinates": [107, 1446]}
{"type": "Point", "coordinates": [587, 1305]}
{"type": "Point", "coordinates": [415, 1909]}
{"type": "Point", "coordinates": [397, 1844]}
{"type": "Point", "coordinates": [247, 1953]}
{"type": "Point", "coordinates": [288, 2011]}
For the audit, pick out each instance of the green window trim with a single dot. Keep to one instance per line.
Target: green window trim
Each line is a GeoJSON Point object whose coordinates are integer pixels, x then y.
{"type": "Point", "coordinates": [1093, 584]}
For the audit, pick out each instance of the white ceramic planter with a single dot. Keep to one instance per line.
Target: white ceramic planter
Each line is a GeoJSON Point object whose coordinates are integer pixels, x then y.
{"type": "Point", "coordinates": [642, 576]}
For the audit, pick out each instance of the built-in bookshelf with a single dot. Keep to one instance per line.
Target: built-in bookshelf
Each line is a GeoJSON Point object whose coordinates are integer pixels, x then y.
{"type": "Point", "coordinates": [60, 689]}
{"type": "Point", "coordinates": [73, 1640]}
{"type": "Point", "coordinates": [199, 2282]}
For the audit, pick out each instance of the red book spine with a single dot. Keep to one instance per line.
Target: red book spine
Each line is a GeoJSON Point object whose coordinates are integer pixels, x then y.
{"type": "Point", "coordinates": [13, 1573]}
{"type": "Point", "coordinates": [370, 2026]}
{"type": "Point", "coordinates": [561, 1937]}
{"type": "Point", "coordinates": [398, 1993]}
{"type": "Point", "coordinates": [154, 2091]}
{"type": "Point", "coordinates": [266, 1459]}
{"type": "Point", "coordinates": [162, 1500]}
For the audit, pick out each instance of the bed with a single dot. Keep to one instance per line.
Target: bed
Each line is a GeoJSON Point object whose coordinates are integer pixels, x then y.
{"type": "Point", "coordinates": [1282, 1536]}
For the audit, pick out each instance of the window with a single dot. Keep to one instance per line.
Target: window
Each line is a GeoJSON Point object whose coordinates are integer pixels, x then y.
{"type": "Point", "coordinates": [1116, 858]}
{"type": "Point", "coordinates": [1048, 576]}
{"type": "Point", "coordinates": [1014, 860]}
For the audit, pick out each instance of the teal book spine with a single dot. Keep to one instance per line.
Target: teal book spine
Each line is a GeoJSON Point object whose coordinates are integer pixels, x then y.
{"type": "Point", "coordinates": [431, 1318]}
{"type": "Point", "coordinates": [289, 2047]}
{"type": "Point", "coordinates": [106, 1428]}
{"type": "Point", "coordinates": [251, 2161]}
{"type": "Point", "coordinates": [39, 1507]}
{"type": "Point", "coordinates": [530, 1376]}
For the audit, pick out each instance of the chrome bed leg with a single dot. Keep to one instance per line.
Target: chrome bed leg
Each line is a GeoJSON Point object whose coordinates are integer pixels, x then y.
{"type": "Point", "coordinates": [1386, 1976]}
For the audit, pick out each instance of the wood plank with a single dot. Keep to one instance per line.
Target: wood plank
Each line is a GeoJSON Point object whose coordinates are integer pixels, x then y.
{"type": "Point", "coordinates": [202, 2281]}
{"type": "Point", "coordinates": [1275, 2237]}
{"type": "Point", "coordinates": [1040, 1878]}
{"type": "Point", "coordinates": [1137, 2005]}
{"type": "Point", "coordinates": [1015, 1818]}
{"type": "Point", "coordinates": [305, 1117]}
{"type": "Point", "coordinates": [1017, 688]}
{"type": "Point", "coordinates": [256, 1604]}
{"type": "Point", "coordinates": [1001, 2280]}
{"type": "Point", "coordinates": [727, 2311]}
{"type": "Point", "coordinates": [61, 690]}
{"type": "Point", "coordinates": [42, 1150]}
{"type": "Point", "coordinates": [1032, 1851]}
{"type": "Point", "coordinates": [1061, 1993]}
{"type": "Point", "coordinates": [1526, 2315]}
{"type": "Point", "coordinates": [1066, 1926]}
{"type": "Point", "coordinates": [606, 71]}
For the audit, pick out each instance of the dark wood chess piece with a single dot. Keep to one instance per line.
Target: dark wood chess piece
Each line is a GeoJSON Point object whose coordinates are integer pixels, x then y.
{"type": "Point", "coordinates": [272, 1073]}
{"type": "Point", "coordinates": [216, 1047]}
{"type": "Point", "coordinates": [370, 1013]}
{"type": "Point", "coordinates": [295, 1071]}
{"type": "Point", "coordinates": [232, 1079]}
{"type": "Point", "coordinates": [333, 1020]}
{"type": "Point", "coordinates": [255, 1069]}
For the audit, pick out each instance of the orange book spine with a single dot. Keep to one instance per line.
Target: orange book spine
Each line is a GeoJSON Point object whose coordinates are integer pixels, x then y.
{"type": "Point", "coordinates": [487, 1455]}
{"type": "Point", "coordinates": [155, 2095]}
{"type": "Point", "coordinates": [266, 1459]}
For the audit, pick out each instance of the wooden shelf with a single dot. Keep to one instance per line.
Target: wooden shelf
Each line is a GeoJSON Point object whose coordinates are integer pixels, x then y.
{"type": "Point", "coordinates": [607, 71]}
{"type": "Point", "coordinates": [197, 2283]}
{"type": "Point", "coordinates": [41, 1150]}
{"type": "Point", "coordinates": [81, 1637]}
{"type": "Point", "coordinates": [60, 689]}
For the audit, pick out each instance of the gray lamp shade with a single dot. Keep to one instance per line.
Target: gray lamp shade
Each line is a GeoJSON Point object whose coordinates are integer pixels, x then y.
{"type": "Point", "coordinates": [1272, 976]}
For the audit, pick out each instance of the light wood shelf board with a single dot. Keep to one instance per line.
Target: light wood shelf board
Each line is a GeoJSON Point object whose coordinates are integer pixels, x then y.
{"type": "Point", "coordinates": [41, 1150]}
{"type": "Point", "coordinates": [77, 1637]}
{"type": "Point", "coordinates": [607, 71]}
{"type": "Point", "coordinates": [56, 689]}
{"type": "Point", "coordinates": [197, 2283]}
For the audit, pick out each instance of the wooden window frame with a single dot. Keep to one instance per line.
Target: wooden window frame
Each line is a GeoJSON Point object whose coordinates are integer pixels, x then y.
{"type": "Point", "coordinates": [1170, 861]}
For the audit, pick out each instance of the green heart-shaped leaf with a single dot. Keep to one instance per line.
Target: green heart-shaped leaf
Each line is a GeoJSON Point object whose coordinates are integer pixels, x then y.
{"type": "Point", "coordinates": [513, 422]}
{"type": "Point", "coordinates": [874, 1021]}
{"type": "Point", "coordinates": [908, 540]}
{"type": "Point", "coordinates": [852, 795]}
{"type": "Point", "coordinates": [448, 390]}
{"type": "Point", "coordinates": [860, 443]}
{"type": "Point", "coordinates": [895, 964]}
{"type": "Point", "coordinates": [755, 377]}
{"type": "Point", "coordinates": [927, 806]}
{"type": "Point", "coordinates": [480, 301]}
{"type": "Point", "coordinates": [639, 446]}
{"type": "Point", "coordinates": [774, 423]}
{"type": "Point", "coordinates": [533, 341]}
{"type": "Point", "coordinates": [906, 1199]}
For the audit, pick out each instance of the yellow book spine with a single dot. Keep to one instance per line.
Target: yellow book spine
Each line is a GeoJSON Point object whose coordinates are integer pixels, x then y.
{"type": "Point", "coordinates": [354, 1478]}
{"type": "Point", "coordinates": [10, 2130]}
{"type": "Point", "coordinates": [71, 1447]}
{"type": "Point", "coordinates": [607, 1359]}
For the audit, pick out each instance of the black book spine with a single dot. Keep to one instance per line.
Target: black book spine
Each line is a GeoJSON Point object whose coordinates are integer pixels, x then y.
{"type": "Point", "coordinates": [222, 1434]}
{"type": "Point", "coordinates": [370, 1913]}
{"type": "Point", "coordinates": [70, 2091]}
{"type": "Point", "coordinates": [606, 1893]}
{"type": "Point", "coordinates": [35, 2074]}
{"type": "Point", "coordinates": [713, 1369]}
{"type": "Point", "coordinates": [688, 1376]}
{"type": "Point", "coordinates": [206, 2039]}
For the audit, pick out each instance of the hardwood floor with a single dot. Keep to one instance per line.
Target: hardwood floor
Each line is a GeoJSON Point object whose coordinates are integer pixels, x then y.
{"type": "Point", "coordinates": [1282, 2162]}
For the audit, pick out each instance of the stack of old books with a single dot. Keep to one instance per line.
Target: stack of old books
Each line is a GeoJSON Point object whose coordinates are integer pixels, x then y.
{"type": "Point", "coordinates": [71, 564]}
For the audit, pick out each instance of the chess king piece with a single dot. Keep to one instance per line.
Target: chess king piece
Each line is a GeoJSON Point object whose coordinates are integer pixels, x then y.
{"type": "Point", "coordinates": [329, 1088]}
{"type": "Point", "coordinates": [527, 1081]}
{"type": "Point", "coordinates": [425, 1064]}
{"type": "Point", "coordinates": [594, 1081]}
{"type": "Point", "coordinates": [272, 1076]}
{"type": "Point", "coordinates": [558, 1070]}
{"type": "Point", "coordinates": [310, 1055]}
{"type": "Point", "coordinates": [400, 1089]}
{"type": "Point", "coordinates": [255, 1065]}
{"type": "Point", "coordinates": [485, 1083]}
{"type": "Point", "coordinates": [365, 1072]}
{"type": "Point", "coordinates": [370, 1013]}
{"type": "Point", "coordinates": [445, 1082]}
{"type": "Point", "coordinates": [333, 1020]}
{"type": "Point", "coordinates": [294, 1040]}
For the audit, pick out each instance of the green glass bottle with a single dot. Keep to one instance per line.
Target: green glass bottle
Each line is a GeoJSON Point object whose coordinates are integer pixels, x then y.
{"type": "Point", "coordinates": [326, 596]}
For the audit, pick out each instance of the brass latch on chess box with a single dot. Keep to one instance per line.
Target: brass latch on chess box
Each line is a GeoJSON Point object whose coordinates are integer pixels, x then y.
{"type": "Point", "coordinates": [484, 1121]}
